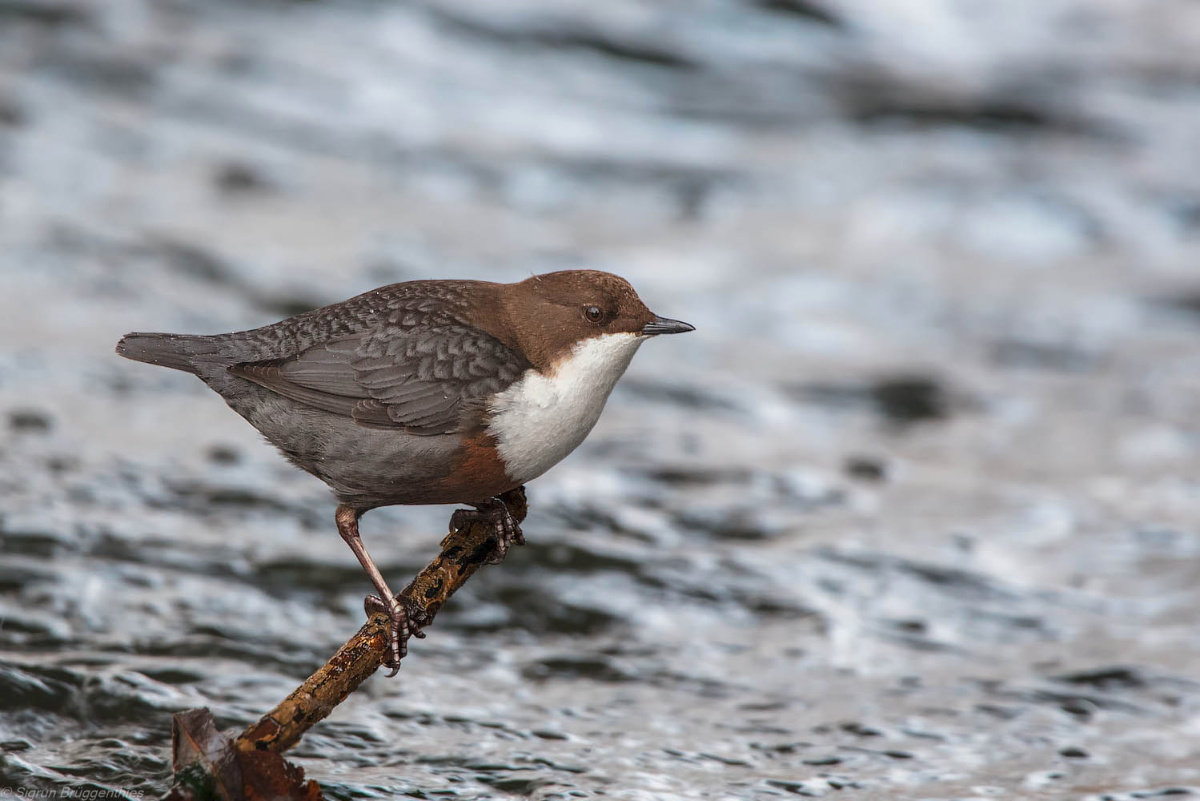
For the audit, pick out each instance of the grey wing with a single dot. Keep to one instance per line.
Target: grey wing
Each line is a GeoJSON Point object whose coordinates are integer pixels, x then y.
{"type": "Point", "coordinates": [420, 380]}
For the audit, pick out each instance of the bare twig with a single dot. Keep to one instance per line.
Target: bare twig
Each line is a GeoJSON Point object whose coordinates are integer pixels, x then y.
{"type": "Point", "coordinates": [463, 552]}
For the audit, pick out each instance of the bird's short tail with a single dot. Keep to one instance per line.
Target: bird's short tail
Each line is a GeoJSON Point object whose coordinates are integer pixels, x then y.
{"type": "Point", "coordinates": [177, 351]}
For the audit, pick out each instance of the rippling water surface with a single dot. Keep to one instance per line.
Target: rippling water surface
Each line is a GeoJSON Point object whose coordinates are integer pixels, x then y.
{"type": "Point", "coordinates": [913, 514]}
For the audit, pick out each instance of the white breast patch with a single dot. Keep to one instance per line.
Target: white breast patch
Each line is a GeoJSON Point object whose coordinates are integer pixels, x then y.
{"type": "Point", "coordinates": [543, 417]}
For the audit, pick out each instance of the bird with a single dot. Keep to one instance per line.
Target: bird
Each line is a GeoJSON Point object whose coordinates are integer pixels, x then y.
{"type": "Point", "coordinates": [426, 392]}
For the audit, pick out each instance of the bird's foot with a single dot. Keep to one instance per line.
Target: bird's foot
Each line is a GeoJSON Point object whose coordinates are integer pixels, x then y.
{"type": "Point", "coordinates": [405, 620]}
{"type": "Point", "coordinates": [505, 528]}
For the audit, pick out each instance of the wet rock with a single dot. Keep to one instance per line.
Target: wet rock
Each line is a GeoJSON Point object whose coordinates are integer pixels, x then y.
{"type": "Point", "coordinates": [910, 399]}
{"type": "Point", "coordinates": [549, 735]}
{"type": "Point", "coordinates": [31, 421]}
{"type": "Point", "coordinates": [1107, 679]}
{"type": "Point", "coordinates": [900, 400]}
{"type": "Point", "coordinates": [242, 178]}
{"type": "Point", "coordinates": [860, 730]}
{"type": "Point", "coordinates": [223, 454]}
{"type": "Point", "coordinates": [865, 468]}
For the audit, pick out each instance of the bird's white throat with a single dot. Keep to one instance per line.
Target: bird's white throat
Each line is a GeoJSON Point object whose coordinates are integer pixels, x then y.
{"type": "Point", "coordinates": [542, 417]}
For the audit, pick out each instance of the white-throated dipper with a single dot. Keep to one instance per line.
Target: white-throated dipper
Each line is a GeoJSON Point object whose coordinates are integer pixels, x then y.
{"type": "Point", "coordinates": [426, 392]}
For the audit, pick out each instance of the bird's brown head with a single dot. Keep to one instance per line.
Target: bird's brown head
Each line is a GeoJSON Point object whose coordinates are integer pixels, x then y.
{"type": "Point", "coordinates": [551, 313]}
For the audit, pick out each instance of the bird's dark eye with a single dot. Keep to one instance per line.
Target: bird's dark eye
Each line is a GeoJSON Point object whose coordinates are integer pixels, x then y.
{"type": "Point", "coordinates": [593, 314]}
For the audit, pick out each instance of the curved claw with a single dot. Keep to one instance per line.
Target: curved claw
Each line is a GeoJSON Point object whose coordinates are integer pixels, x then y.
{"type": "Point", "coordinates": [505, 529]}
{"type": "Point", "coordinates": [405, 620]}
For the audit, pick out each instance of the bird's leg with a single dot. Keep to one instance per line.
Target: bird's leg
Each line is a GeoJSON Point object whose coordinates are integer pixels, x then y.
{"type": "Point", "coordinates": [405, 617]}
{"type": "Point", "coordinates": [505, 527]}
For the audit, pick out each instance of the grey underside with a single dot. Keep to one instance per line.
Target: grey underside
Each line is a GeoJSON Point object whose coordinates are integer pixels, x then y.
{"type": "Point", "coordinates": [372, 395]}
{"type": "Point", "coordinates": [365, 467]}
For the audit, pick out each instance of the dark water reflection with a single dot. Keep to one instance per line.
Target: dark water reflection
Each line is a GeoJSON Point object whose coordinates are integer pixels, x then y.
{"type": "Point", "coordinates": [911, 515]}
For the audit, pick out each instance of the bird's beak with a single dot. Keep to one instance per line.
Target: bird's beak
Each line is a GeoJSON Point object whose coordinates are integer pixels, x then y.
{"type": "Point", "coordinates": [661, 325]}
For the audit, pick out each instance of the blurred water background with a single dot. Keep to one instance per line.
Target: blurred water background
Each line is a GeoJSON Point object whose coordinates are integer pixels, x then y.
{"type": "Point", "coordinates": [915, 513]}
